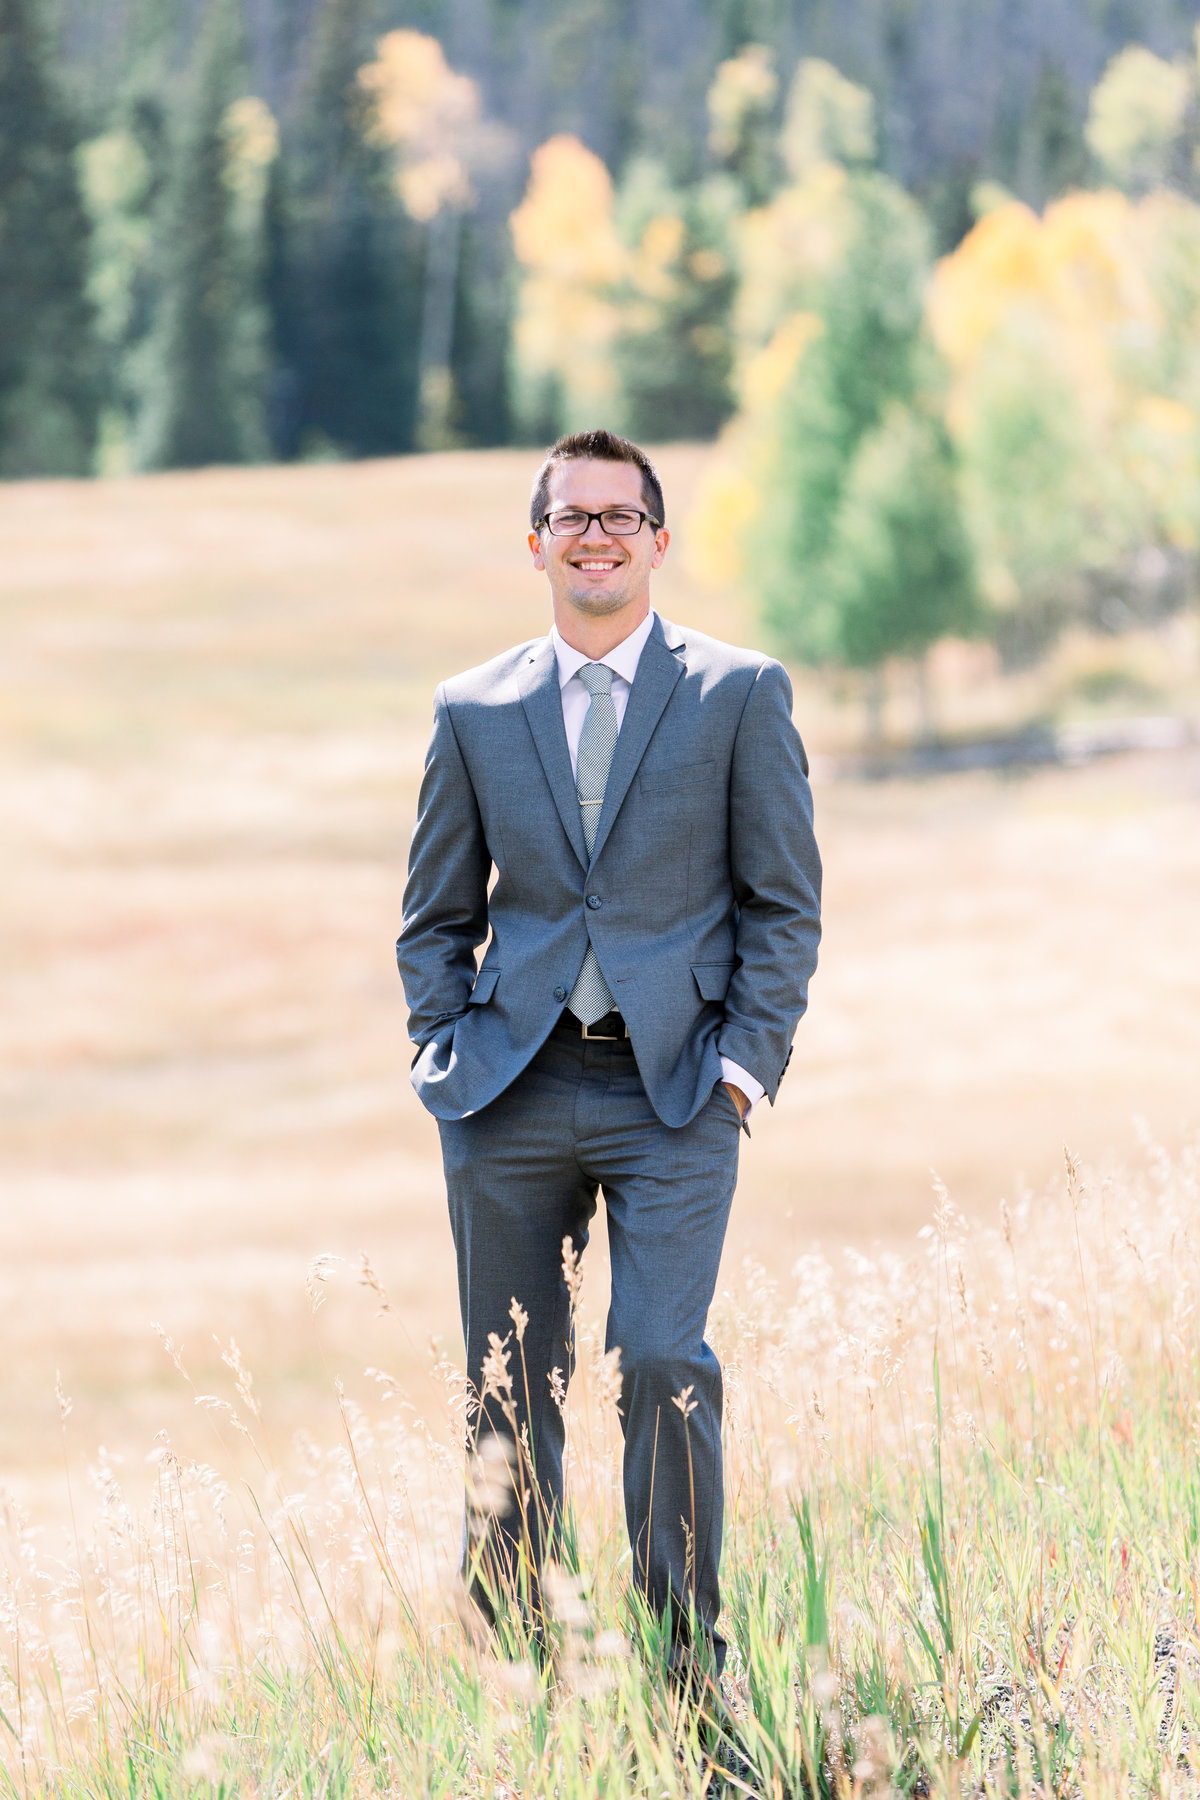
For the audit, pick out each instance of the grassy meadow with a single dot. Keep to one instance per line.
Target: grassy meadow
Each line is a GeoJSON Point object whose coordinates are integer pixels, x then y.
{"type": "Point", "coordinates": [964, 1502]}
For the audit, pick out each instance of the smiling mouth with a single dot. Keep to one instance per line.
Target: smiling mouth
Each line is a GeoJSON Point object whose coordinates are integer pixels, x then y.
{"type": "Point", "coordinates": [595, 566]}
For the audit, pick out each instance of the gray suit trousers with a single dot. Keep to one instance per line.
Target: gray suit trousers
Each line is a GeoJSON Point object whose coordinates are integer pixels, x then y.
{"type": "Point", "coordinates": [523, 1173]}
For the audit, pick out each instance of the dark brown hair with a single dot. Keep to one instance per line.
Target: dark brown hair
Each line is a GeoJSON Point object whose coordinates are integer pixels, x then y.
{"type": "Point", "coordinates": [602, 446]}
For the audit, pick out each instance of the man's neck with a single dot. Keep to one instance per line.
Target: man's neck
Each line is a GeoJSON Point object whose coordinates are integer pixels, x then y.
{"type": "Point", "coordinates": [594, 638]}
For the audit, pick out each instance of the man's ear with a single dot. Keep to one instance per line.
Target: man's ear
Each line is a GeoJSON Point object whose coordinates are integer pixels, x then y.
{"type": "Point", "coordinates": [662, 538]}
{"type": "Point", "coordinates": [535, 549]}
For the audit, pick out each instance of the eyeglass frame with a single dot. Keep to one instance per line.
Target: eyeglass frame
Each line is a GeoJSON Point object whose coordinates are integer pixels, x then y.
{"type": "Point", "coordinates": [644, 518]}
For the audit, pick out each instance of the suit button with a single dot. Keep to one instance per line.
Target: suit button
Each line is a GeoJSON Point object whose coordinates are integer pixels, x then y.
{"type": "Point", "coordinates": [595, 902]}
{"type": "Point", "coordinates": [560, 993]}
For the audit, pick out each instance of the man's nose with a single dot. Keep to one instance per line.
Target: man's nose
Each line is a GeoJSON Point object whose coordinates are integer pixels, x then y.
{"type": "Point", "coordinates": [596, 532]}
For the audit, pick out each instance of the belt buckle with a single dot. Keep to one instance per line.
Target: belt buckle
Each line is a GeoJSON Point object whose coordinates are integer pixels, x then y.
{"type": "Point", "coordinates": [604, 1037]}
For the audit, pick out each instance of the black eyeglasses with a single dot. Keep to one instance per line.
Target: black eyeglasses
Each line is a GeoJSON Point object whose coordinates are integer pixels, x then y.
{"type": "Point", "coordinates": [615, 521]}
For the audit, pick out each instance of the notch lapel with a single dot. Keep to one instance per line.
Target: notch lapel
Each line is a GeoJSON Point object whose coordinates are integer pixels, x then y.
{"type": "Point", "coordinates": [659, 668]}
{"type": "Point", "coordinates": [537, 681]}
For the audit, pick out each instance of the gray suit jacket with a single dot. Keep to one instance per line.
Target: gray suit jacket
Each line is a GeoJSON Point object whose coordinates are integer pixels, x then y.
{"type": "Point", "coordinates": [701, 896]}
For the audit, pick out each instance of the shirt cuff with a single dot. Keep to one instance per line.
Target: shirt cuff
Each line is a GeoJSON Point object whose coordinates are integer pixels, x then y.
{"type": "Point", "coordinates": [741, 1078]}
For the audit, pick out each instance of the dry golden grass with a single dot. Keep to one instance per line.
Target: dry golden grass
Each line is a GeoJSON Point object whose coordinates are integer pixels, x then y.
{"type": "Point", "coordinates": [214, 696]}
{"type": "Point", "coordinates": [961, 1558]}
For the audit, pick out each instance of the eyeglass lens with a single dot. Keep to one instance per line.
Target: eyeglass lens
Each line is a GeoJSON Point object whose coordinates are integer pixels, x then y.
{"type": "Point", "coordinates": [618, 521]}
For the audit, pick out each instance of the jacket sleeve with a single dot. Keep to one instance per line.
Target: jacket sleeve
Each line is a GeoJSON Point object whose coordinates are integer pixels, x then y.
{"type": "Point", "coordinates": [445, 898]}
{"type": "Point", "coordinates": [776, 872]}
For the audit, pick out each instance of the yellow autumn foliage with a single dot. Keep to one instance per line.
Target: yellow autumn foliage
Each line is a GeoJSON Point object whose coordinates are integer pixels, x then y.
{"type": "Point", "coordinates": [787, 247]}
{"type": "Point", "coordinates": [768, 373]}
{"type": "Point", "coordinates": [571, 259]}
{"type": "Point", "coordinates": [1071, 348]}
{"type": "Point", "coordinates": [728, 499]}
{"type": "Point", "coordinates": [653, 267]}
{"type": "Point", "coordinates": [1080, 294]}
{"type": "Point", "coordinates": [1076, 274]}
{"type": "Point", "coordinates": [428, 115]}
{"type": "Point", "coordinates": [743, 87]}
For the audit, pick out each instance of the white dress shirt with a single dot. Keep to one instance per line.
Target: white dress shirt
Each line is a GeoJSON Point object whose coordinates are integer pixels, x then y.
{"type": "Point", "coordinates": [623, 661]}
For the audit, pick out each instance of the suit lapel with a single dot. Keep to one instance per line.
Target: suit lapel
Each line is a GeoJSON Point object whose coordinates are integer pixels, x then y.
{"type": "Point", "coordinates": [542, 700]}
{"type": "Point", "coordinates": [659, 668]}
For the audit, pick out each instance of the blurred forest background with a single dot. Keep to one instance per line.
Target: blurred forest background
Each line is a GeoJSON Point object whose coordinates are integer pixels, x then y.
{"type": "Point", "coordinates": [931, 273]}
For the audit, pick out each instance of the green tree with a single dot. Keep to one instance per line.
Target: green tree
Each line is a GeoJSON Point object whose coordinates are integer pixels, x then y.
{"type": "Point", "coordinates": [674, 354]}
{"type": "Point", "coordinates": [48, 369]}
{"type": "Point", "coordinates": [900, 567]}
{"type": "Point", "coordinates": [742, 127]}
{"type": "Point", "coordinates": [827, 120]}
{"type": "Point", "coordinates": [205, 365]}
{"type": "Point", "coordinates": [859, 552]}
{"type": "Point", "coordinates": [482, 330]}
{"type": "Point", "coordinates": [122, 173]}
{"type": "Point", "coordinates": [1052, 156]}
{"type": "Point", "coordinates": [345, 274]}
{"type": "Point", "coordinates": [1141, 124]}
{"type": "Point", "coordinates": [1072, 343]}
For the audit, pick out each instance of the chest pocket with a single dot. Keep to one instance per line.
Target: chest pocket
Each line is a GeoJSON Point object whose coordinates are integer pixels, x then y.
{"type": "Point", "coordinates": [679, 775]}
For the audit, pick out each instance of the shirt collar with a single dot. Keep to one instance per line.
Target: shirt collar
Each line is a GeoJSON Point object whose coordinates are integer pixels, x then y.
{"type": "Point", "coordinates": [623, 660]}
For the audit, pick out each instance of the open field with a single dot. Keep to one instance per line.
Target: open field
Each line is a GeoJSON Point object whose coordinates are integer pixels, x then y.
{"type": "Point", "coordinates": [214, 698]}
{"type": "Point", "coordinates": [963, 1533]}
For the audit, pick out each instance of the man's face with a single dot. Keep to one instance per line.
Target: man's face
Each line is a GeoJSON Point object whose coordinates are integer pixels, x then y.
{"type": "Point", "coordinates": [593, 573]}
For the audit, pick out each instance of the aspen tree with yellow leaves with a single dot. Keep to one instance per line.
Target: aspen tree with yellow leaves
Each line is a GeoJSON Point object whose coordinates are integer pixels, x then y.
{"type": "Point", "coordinates": [839, 481]}
{"type": "Point", "coordinates": [431, 118]}
{"type": "Point", "coordinates": [1009, 438]}
{"type": "Point", "coordinates": [1073, 344]}
{"type": "Point", "coordinates": [570, 261]}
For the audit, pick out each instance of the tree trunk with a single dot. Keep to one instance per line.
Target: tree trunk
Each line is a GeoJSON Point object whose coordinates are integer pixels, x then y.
{"type": "Point", "coordinates": [874, 695]}
{"type": "Point", "coordinates": [436, 387]}
{"type": "Point", "coordinates": [926, 710]}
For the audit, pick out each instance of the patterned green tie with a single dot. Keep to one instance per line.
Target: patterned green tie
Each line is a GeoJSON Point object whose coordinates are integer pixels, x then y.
{"type": "Point", "coordinates": [590, 998]}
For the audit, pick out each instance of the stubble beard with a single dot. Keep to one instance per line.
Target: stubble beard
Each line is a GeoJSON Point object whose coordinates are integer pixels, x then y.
{"type": "Point", "coordinates": [599, 603]}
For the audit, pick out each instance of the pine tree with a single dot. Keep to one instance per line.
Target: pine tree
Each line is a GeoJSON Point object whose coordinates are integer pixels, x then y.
{"type": "Point", "coordinates": [1054, 157]}
{"type": "Point", "coordinates": [122, 171]}
{"type": "Point", "coordinates": [205, 367]}
{"type": "Point", "coordinates": [674, 352]}
{"type": "Point", "coordinates": [345, 284]}
{"type": "Point", "coordinates": [48, 386]}
{"type": "Point", "coordinates": [482, 328]}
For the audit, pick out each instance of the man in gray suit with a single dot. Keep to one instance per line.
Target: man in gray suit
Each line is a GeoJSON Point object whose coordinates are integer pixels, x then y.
{"type": "Point", "coordinates": [641, 794]}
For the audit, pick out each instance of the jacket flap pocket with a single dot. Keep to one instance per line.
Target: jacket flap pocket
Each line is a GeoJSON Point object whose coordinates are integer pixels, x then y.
{"type": "Point", "coordinates": [679, 775]}
{"type": "Point", "coordinates": [713, 979]}
{"type": "Point", "coordinates": [485, 983]}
